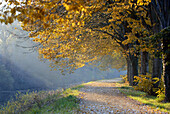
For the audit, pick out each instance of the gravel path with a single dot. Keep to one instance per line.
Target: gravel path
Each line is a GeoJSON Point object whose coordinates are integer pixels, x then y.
{"type": "Point", "coordinates": [103, 97]}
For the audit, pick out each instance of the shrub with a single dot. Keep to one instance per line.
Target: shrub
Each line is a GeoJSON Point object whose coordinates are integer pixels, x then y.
{"type": "Point", "coordinates": [145, 83]}
{"type": "Point", "coordinates": [29, 100]}
{"type": "Point", "coordinates": [161, 91]}
{"type": "Point", "coordinates": [124, 77]}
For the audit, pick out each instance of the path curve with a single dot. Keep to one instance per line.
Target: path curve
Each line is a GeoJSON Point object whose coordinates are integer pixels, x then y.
{"type": "Point", "coordinates": [103, 97]}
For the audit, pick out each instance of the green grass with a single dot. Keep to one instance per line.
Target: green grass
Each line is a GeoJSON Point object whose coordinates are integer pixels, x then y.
{"type": "Point", "coordinates": [77, 87]}
{"type": "Point", "coordinates": [129, 91]}
{"type": "Point", "coordinates": [48, 102]}
{"type": "Point", "coordinates": [143, 98]}
{"type": "Point", "coordinates": [121, 81]}
{"type": "Point", "coordinates": [64, 105]}
{"type": "Point", "coordinates": [66, 102]}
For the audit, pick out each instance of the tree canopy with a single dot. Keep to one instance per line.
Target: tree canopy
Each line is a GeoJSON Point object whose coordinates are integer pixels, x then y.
{"type": "Point", "coordinates": [72, 33]}
{"type": "Point", "coordinates": [75, 28]}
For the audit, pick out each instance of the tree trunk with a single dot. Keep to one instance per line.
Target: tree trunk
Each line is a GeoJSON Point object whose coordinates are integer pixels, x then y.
{"type": "Point", "coordinates": [129, 70]}
{"type": "Point", "coordinates": [157, 68]}
{"type": "Point", "coordinates": [134, 69]}
{"type": "Point", "coordinates": [166, 65]}
{"type": "Point", "coordinates": [161, 12]}
{"type": "Point", "coordinates": [156, 72]}
{"type": "Point", "coordinates": [144, 63]}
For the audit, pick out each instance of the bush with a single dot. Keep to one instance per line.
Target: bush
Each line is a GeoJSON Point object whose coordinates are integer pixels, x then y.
{"type": "Point", "coordinates": [161, 91]}
{"type": "Point", "coordinates": [146, 83]}
{"type": "Point", "coordinates": [29, 100]}
{"type": "Point", "coordinates": [124, 77]}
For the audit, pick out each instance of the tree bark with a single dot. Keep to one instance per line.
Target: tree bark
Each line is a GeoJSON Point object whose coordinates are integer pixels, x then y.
{"type": "Point", "coordinates": [156, 72]}
{"type": "Point", "coordinates": [157, 68]}
{"type": "Point", "coordinates": [161, 10]}
{"type": "Point", "coordinates": [144, 63]}
{"type": "Point", "coordinates": [129, 70]}
{"type": "Point", "coordinates": [132, 68]}
{"type": "Point", "coordinates": [166, 65]}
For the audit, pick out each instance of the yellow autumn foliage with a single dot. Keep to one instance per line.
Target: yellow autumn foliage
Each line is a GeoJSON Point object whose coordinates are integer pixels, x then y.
{"type": "Point", "coordinates": [67, 29]}
{"type": "Point", "coordinates": [161, 89]}
{"type": "Point", "coordinates": [145, 83]}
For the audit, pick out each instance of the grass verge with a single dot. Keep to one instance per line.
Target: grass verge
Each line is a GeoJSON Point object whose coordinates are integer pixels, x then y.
{"type": "Point", "coordinates": [48, 102]}
{"type": "Point", "coordinates": [143, 98]}
{"type": "Point", "coordinates": [77, 87]}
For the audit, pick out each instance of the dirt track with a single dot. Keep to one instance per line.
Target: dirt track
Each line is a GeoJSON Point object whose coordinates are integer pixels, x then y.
{"type": "Point", "coordinates": [103, 97]}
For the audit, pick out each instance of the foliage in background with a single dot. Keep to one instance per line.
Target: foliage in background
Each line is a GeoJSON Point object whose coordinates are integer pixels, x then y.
{"type": "Point", "coordinates": [161, 91]}
{"type": "Point", "coordinates": [145, 83]}
{"type": "Point", "coordinates": [124, 77]}
{"type": "Point", "coordinates": [6, 80]}
{"type": "Point", "coordinates": [114, 61]}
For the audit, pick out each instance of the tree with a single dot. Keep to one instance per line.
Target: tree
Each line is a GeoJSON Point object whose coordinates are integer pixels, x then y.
{"type": "Point", "coordinates": [7, 81]}
{"type": "Point", "coordinates": [66, 28]}
{"type": "Point", "coordinates": [51, 23]}
{"type": "Point", "coordinates": [161, 10]}
{"type": "Point", "coordinates": [115, 61]}
{"type": "Point", "coordinates": [4, 43]}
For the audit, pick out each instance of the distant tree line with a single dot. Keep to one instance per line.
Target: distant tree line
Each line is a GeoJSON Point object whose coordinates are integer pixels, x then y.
{"type": "Point", "coordinates": [14, 78]}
